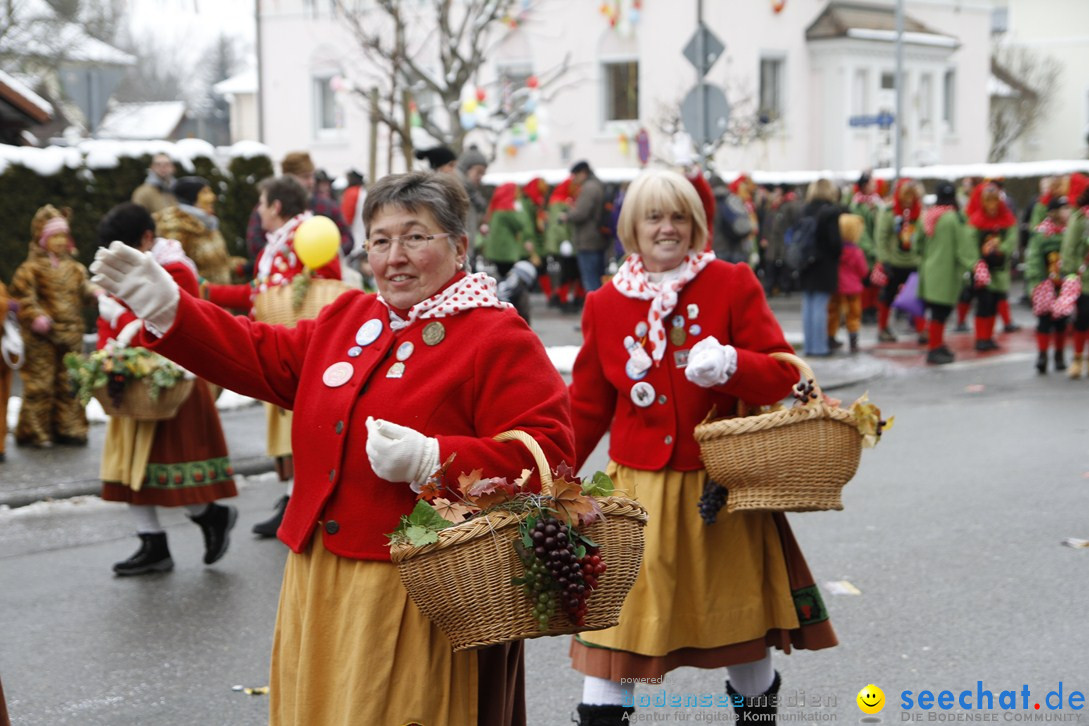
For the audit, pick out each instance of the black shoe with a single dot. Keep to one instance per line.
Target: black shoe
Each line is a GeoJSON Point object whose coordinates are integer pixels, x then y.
{"type": "Point", "coordinates": [1060, 360]}
{"type": "Point", "coordinates": [886, 336]}
{"type": "Point", "coordinates": [756, 709]}
{"type": "Point", "coordinates": [66, 440]}
{"type": "Point", "coordinates": [3, 457]}
{"type": "Point", "coordinates": [1011, 328]}
{"type": "Point", "coordinates": [603, 715]}
{"type": "Point", "coordinates": [961, 328]}
{"type": "Point", "coordinates": [939, 356]}
{"type": "Point", "coordinates": [153, 556]}
{"type": "Point", "coordinates": [853, 338]}
{"type": "Point", "coordinates": [1041, 362]}
{"type": "Point", "coordinates": [215, 524]}
{"type": "Point", "coordinates": [269, 526]}
{"type": "Point", "coordinates": [984, 346]}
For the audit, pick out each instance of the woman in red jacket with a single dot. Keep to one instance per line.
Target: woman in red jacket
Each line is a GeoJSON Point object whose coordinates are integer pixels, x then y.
{"type": "Point", "coordinates": [674, 333]}
{"type": "Point", "coordinates": [384, 387]}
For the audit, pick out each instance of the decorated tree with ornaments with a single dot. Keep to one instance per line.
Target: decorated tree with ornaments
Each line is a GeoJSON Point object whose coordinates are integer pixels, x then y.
{"type": "Point", "coordinates": [424, 76]}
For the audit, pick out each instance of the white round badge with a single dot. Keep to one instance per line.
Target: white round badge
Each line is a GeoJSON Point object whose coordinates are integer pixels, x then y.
{"type": "Point", "coordinates": [368, 332]}
{"type": "Point", "coordinates": [337, 374]}
{"type": "Point", "coordinates": [642, 394]}
{"type": "Point", "coordinates": [641, 329]}
{"type": "Point", "coordinates": [404, 350]}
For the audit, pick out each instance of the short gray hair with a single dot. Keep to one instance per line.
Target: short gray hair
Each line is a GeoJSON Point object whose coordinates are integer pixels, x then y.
{"type": "Point", "coordinates": [440, 194]}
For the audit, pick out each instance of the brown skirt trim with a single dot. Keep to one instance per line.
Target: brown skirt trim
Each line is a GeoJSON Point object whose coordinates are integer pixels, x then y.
{"type": "Point", "coordinates": [814, 633]}
{"type": "Point", "coordinates": [116, 492]}
{"type": "Point", "coordinates": [501, 685]}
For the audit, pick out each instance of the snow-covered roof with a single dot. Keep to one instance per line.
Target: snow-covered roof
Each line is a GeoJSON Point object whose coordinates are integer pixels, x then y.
{"type": "Point", "coordinates": [19, 95]}
{"type": "Point", "coordinates": [245, 82]}
{"type": "Point", "coordinates": [157, 120]}
{"type": "Point", "coordinates": [65, 41]}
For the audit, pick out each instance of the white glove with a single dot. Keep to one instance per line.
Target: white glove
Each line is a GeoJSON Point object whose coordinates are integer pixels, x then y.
{"type": "Point", "coordinates": [567, 249]}
{"type": "Point", "coordinates": [128, 333]}
{"type": "Point", "coordinates": [398, 453]}
{"type": "Point", "coordinates": [109, 309]}
{"type": "Point", "coordinates": [710, 363]}
{"type": "Point", "coordinates": [137, 279]}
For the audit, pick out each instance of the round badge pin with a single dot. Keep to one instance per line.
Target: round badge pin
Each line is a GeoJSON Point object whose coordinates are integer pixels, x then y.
{"type": "Point", "coordinates": [642, 394]}
{"type": "Point", "coordinates": [678, 321]}
{"type": "Point", "coordinates": [695, 329]}
{"type": "Point", "coordinates": [434, 333]}
{"type": "Point", "coordinates": [641, 329]}
{"type": "Point", "coordinates": [354, 351]}
{"type": "Point", "coordinates": [677, 336]}
{"type": "Point", "coordinates": [405, 350]}
{"type": "Point", "coordinates": [368, 332]}
{"type": "Point", "coordinates": [693, 311]}
{"type": "Point", "coordinates": [634, 371]}
{"type": "Point", "coordinates": [337, 374]}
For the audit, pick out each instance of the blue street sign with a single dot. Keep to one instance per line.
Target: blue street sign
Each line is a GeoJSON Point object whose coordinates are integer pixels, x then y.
{"type": "Point", "coordinates": [883, 120]}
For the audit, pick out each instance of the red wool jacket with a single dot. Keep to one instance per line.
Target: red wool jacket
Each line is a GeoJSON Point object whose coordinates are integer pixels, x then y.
{"type": "Point", "coordinates": [187, 283]}
{"type": "Point", "coordinates": [730, 305]}
{"type": "Point", "coordinates": [489, 374]}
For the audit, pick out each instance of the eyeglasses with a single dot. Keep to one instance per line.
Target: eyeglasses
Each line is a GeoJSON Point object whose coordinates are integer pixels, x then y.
{"type": "Point", "coordinates": [409, 242]}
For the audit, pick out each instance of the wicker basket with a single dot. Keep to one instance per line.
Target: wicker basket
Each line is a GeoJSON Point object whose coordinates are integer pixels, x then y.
{"type": "Point", "coordinates": [463, 581]}
{"type": "Point", "coordinates": [275, 306]}
{"type": "Point", "coordinates": [793, 460]}
{"type": "Point", "coordinates": [137, 403]}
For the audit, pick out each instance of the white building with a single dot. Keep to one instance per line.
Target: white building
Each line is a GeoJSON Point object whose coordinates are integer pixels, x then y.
{"type": "Point", "coordinates": [808, 69]}
{"type": "Point", "coordinates": [240, 91]}
{"type": "Point", "coordinates": [1057, 29]}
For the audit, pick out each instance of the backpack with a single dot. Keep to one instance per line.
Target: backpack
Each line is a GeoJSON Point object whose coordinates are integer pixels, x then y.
{"type": "Point", "coordinates": [801, 243]}
{"type": "Point", "coordinates": [735, 216]}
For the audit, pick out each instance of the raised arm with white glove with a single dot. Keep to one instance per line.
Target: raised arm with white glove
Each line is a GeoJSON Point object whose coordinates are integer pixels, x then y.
{"type": "Point", "coordinates": [398, 453]}
{"type": "Point", "coordinates": [141, 282]}
{"type": "Point", "coordinates": [109, 309]}
{"type": "Point", "coordinates": [710, 363]}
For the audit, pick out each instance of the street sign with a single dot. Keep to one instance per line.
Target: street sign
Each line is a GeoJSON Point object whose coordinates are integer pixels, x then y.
{"type": "Point", "coordinates": [883, 120]}
{"type": "Point", "coordinates": [707, 121]}
{"type": "Point", "coordinates": [712, 49]}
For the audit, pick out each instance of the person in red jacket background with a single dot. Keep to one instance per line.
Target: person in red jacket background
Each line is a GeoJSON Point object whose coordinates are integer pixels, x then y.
{"type": "Point", "coordinates": [384, 387]}
{"type": "Point", "coordinates": [674, 333]}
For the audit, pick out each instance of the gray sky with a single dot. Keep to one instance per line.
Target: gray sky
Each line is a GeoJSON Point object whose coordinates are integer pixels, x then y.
{"type": "Point", "coordinates": [194, 23]}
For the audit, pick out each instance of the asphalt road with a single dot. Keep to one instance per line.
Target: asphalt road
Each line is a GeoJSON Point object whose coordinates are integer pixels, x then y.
{"type": "Point", "coordinates": [951, 537]}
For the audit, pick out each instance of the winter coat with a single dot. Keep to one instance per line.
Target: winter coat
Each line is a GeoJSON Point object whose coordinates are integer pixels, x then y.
{"type": "Point", "coordinates": [1075, 247]}
{"type": "Point", "coordinates": [508, 227]}
{"type": "Point", "coordinates": [894, 239]}
{"type": "Point", "coordinates": [1042, 259]}
{"type": "Point", "coordinates": [57, 288]}
{"type": "Point", "coordinates": [823, 274]}
{"type": "Point", "coordinates": [946, 257]}
{"type": "Point", "coordinates": [853, 270]}
{"type": "Point", "coordinates": [783, 218]}
{"type": "Point", "coordinates": [152, 197]}
{"type": "Point", "coordinates": [585, 217]}
{"type": "Point", "coordinates": [998, 264]}
{"type": "Point", "coordinates": [202, 244]}
{"type": "Point", "coordinates": [866, 242]}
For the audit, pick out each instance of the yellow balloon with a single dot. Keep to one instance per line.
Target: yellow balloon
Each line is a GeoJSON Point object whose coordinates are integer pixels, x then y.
{"type": "Point", "coordinates": [316, 241]}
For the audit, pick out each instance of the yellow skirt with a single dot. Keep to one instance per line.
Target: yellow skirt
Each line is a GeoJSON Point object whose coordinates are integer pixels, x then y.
{"type": "Point", "coordinates": [699, 586]}
{"type": "Point", "coordinates": [279, 430]}
{"type": "Point", "coordinates": [127, 450]}
{"type": "Point", "coordinates": [351, 648]}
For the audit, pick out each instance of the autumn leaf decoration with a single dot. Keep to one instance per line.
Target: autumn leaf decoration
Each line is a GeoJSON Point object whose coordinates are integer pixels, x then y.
{"type": "Point", "coordinates": [868, 420]}
{"type": "Point", "coordinates": [571, 504]}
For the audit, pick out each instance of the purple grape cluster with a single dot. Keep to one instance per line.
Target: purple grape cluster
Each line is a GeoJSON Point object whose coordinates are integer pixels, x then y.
{"type": "Point", "coordinates": [555, 549]}
{"type": "Point", "coordinates": [115, 388]}
{"type": "Point", "coordinates": [805, 391]}
{"type": "Point", "coordinates": [712, 501]}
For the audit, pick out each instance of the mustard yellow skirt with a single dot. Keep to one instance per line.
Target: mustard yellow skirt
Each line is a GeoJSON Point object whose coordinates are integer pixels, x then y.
{"type": "Point", "coordinates": [706, 595]}
{"type": "Point", "coordinates": [279, 430]}
{"type": "Point", "coordinates": [351, 648]}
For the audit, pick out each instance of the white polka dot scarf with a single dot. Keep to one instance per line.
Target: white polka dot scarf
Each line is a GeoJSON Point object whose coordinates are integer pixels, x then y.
{"type": "Point", "coordinates": [472, 291]}
{"type": "Point", "coordinates": [632, 280]}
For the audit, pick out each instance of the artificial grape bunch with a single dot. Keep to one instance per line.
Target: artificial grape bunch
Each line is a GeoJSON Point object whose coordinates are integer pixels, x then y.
{"type": "Point", "coordinates": [115, 388]}
{"type": "Point", "coordinates": [805, 391]}
{"type": "Point", "coordinates": [539, 590]}
{"type": "Point", "coordinates": [555, 548]}
{"type": "Point", "coordinates": [593, 567]}
{"type": "Point", "coordinates": [712, 501]}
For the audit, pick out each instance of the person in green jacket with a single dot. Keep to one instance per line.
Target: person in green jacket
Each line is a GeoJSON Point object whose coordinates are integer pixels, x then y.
{"type": "Point", "coordinates": [1075, 257]}
{"type": "Point", "coordinates": [946, 254]}
{"type": "Point", "coordinates": [510, 234]}
{"type": "Point", "coordinates": [867, 202]}
{"type": "Point", "coordinates": [894, 238]}
{"type": "Point", "coordinates": [1043, 275]}
{"type": "Point", "coordinates": [993, 228]}
{"type": "Point", "coordinates": [563, 266]}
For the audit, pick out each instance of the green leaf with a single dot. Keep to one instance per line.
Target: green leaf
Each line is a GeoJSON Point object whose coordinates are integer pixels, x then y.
{"type": "Point", "coordinates": [418, 535]}
{"type": "Point", "coordinates": [599, 485]}
{"type": "Point", "coordinates": [424, 515]}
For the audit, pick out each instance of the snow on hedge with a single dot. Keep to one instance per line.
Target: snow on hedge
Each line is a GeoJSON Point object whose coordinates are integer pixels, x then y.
{"type": "Point", "coordinates": [106, 154]}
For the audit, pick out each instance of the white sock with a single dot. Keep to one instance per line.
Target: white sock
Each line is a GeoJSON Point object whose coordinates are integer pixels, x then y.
{"type": "Point", "coordinates": [147, 518]}
{"type": "Point", "coordinates": [752, 679]}
{"type": "Point", "coordinates": [290, 486]}
{"type": "Point", "coordinates": [195, 510]}
{"type": "Point", "coordinates": [602, 692]}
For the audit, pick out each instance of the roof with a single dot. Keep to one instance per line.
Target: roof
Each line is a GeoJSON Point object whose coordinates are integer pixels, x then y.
{"type": "Point", "coordinates": [156, 120]}
{"type": "Point", "coordinates": [21, 98]}
{"type": "Point", "coordinates": [66, 41]}
{"type": "Point", "coordinates": [870, 22]}
{"type": "Point", "coordinates": [245, 82]}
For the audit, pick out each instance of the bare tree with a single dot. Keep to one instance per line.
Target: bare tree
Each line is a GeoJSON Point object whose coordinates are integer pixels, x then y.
{"type": "Point", "coordinates": [159, 74]}
{"type": "Point", "coordinates": [421, 56]}
{"type": "Point", "coordinates": [1031, 79]}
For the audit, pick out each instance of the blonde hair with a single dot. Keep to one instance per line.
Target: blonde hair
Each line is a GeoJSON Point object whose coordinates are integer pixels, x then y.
{"type": "Point", "coordinates": [850, 227]}
{"type": "Point", "coordinates": [822, 189]}
{"type": "Point", "coordinates": [664, 191]}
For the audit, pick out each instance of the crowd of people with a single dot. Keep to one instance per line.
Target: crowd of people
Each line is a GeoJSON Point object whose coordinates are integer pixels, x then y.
{"type": "Point", "coordinates": [424, 359]}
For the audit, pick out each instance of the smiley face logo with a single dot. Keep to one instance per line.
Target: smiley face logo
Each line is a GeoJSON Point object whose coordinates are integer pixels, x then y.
{"type": "Point", "coordinates": [871, 699]}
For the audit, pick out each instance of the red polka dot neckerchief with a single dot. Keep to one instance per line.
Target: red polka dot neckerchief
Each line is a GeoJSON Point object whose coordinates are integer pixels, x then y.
{"type": "Point", "coordinates": [632, 280]}
{"type": "Point", "coordinates": [278, 245]}
{"type": "Point", "coordinates": [472, 291]}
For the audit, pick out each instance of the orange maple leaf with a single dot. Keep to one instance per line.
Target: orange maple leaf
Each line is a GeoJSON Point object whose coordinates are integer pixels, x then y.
{"type": "Point", "coordinates": [572, 504]}
{"type": "Point", "coordinates": [451, 511]}
{"type": "Point", "coordinates": [430, 490]}
{"type": "Point", "coordinates": [486, 493]}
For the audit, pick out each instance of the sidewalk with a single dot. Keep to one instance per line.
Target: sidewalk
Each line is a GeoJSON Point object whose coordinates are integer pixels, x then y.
{"type": "Point", "coordinates": [30, 475]}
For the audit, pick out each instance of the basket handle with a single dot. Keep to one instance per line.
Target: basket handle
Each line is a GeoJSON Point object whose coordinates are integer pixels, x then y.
{"type": "Point", "coordinates": [807, 375]}
{"type": "Point", "coordinates": [538, 456]}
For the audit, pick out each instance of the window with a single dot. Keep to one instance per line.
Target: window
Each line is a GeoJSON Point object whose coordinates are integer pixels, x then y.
{"type": "Point", "coordinates": [888, 81]}
{"type": "Point", "coordinates": [949, 99]}
{"type": "Point", "coordinates": [771, 88]}
{"type": "Point", "coordinates": [860, 93]}
{"type": "Point", "coordinates": [511, 77]}
{"type": "Point", "coordinates": [1000, 20]}
{"type": "Point", "coordinates": [621, 90]}
{"type": "Point", "coordinates": [327, 112]}
{"type": "Point", "coordinates": [926, 100]}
